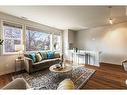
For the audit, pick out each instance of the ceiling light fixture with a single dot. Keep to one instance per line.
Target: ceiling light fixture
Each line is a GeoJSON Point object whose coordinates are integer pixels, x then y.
{"type": "Point", "coordinates": [24, 17]}
{"type": "Point", "coordinates": [110, 18]}
{"type": "Point", "coordinates": [110, 21]}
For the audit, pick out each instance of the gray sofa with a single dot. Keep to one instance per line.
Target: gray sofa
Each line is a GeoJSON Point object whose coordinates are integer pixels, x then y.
{"type": "Point", "coordinates": [30, 66]}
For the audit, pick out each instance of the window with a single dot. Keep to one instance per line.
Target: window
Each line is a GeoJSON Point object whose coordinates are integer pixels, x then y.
{"type": "Point", "coordinates": [37, 40]}
{"type": "Point", "coordinates": [57, 42]}
{"type": "Point", "coordinates": [12, 35]}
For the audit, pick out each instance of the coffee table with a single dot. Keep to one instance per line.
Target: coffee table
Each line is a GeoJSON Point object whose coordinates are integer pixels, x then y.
{"type": "Point", "coordinates": [64, 70]}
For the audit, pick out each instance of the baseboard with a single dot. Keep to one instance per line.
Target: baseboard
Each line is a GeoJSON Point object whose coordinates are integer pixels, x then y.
{"type": "Point", "coordinates": [13, 73]}
{"type": "Point", "coordinates": [99, 63]}
{"type": "Point", "coordinates": [110, 63]}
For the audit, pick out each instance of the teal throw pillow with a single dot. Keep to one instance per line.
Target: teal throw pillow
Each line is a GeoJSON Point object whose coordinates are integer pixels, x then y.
{"type": "Point", "coordinates": [32, 56]}
{"type": "Point", "coordinates": [50, 55]}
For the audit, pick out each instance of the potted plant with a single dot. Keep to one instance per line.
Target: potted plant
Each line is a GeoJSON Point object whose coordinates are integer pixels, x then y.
{"type": "Point", "coordinates": [1, 42]}
{"type": "Point", "coordinates": [61, 62]}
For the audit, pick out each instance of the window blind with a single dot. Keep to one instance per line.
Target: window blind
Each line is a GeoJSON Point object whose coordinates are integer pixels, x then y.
{"type": "Point", "coordinates": [36, 29]}
{"type": "Point", "coordinates": [12, 24]}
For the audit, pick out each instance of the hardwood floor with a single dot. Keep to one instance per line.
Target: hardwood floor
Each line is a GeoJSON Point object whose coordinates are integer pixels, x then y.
{"type": "Point", "coordinates": [5, 79]}
{"type": "Point", "coordinates": [107, 76]}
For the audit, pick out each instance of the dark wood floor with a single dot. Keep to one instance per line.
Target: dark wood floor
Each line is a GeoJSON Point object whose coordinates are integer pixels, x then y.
{"type": "Point", "coordinates": [5, 79]}
{"type": "Point", "coordinates": [107, 76]}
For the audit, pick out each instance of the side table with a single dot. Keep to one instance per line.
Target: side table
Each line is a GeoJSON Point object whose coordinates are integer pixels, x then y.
{"type": "Point", "coordinates": [19, 62]}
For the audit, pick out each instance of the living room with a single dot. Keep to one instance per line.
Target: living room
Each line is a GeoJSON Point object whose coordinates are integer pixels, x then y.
{"type": "Point", "coordinates": [63, 47]}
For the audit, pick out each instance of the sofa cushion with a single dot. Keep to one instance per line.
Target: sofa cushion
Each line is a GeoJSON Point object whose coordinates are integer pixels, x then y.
{"type": "Point", "coordinates": [33, 57]}
{"type": "Point", "coordinates": [44, 55]}
{"type": "Point", "coordinates": [50, 54]}
{"type": "Point", "coordinates": [47, 61]}
{"type": "Point", "coordinates": [38, 57]}
{"type": "Point", "coordinates": [56, 55]}
{"type": "Point", "coordinates": [66, 84]}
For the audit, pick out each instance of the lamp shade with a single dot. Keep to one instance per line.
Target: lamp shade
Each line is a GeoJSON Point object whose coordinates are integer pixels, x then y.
{"type": "Point", "coordinates": [19, 48]}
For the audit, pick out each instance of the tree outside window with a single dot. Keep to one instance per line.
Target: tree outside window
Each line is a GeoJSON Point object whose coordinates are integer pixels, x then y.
{"type": "Point", "coordinates": [36, 41]}
{"type": "Point", "coordinates": [12, 37]}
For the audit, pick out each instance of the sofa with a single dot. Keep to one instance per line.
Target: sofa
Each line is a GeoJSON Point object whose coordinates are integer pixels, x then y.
{"type": "Point", "coordinates": [36, 61]}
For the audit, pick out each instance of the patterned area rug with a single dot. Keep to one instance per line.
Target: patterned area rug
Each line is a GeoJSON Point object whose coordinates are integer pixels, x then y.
{"type": "Point", "coordinates": [49, 80]}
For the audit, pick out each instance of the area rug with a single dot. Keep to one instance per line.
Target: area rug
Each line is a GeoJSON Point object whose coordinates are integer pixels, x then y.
{"type": "Point", "coordinates": [48, 80]}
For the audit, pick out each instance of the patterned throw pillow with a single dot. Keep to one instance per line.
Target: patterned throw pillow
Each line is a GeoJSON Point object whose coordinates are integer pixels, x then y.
{"type": "Point", "coordinates": [38, 57]}
{"type": "Point", "coordinates": [50, 54]}
{"type": "Point", "coordinates": [33, 57]}
{"type": "Point", "coordinates": [44, 55]}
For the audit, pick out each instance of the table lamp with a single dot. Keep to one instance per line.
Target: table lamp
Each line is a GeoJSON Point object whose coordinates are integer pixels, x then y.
{"type": "Point", "coordinates": [19, 49]}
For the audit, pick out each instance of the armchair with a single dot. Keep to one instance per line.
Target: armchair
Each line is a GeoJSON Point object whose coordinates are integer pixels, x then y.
{"type": "Point", "coordinates": [18, 83]}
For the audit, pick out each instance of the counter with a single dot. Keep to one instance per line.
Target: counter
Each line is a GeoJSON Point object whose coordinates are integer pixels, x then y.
{"type": "Point", "coordinates": [84, 57]}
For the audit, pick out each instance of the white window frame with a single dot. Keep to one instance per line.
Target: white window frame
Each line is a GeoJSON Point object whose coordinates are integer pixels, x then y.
{"type": "Point", "coordinates": [3, 37]}
{"type": "Point", "coordinates": [60, 42]}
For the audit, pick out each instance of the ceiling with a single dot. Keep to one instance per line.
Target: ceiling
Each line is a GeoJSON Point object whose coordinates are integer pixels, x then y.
{"type": "Point", "coordinates": [68, 17]}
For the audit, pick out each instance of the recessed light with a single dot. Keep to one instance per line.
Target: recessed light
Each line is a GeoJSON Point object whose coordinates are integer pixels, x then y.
{"type": "Point", "coordinates": [23, 17]}
{"type": "Point", "coordinates": [93, 39]}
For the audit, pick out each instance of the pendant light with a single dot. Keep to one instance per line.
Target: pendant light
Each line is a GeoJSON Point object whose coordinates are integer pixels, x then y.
{"type": "Point", "coordinates": [110, 18]}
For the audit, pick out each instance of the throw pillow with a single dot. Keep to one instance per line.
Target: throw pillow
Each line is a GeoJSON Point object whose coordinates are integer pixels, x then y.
{"type": "Point", "coordinates": [50, 54]}
{"type": "Point", "coordinates": [38, 57]}
{"type": "Point", "coordinates": [66, 84]}
{"type": "Point", "coordinates": [33, 57]}
{"type": "Point", "coordinates": [41, 55]}
{"type": "Point", "coordinates": [57, 55]}
{"type": "Point", "coordinates": [44, 55]}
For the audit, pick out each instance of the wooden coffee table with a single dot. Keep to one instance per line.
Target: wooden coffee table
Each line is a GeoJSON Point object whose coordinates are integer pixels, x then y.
{"type": "Point", "coordinates": [65, 69]}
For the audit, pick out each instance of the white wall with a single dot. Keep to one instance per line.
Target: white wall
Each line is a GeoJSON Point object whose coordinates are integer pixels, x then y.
{"type": "Point", "coordinates": [110, 40]}
{"type": "Point", "coordinates": [7, 62]}
{"type": "Point", "coordinates": [72, 37]}
{"type": "Point", "coordinates": [65, 43]}
{"type": "Point", "coordinates": [69, 36]}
